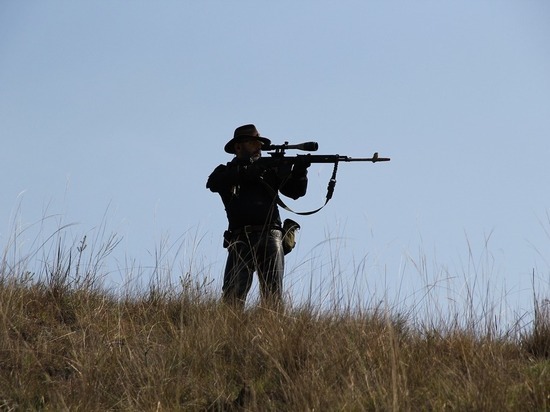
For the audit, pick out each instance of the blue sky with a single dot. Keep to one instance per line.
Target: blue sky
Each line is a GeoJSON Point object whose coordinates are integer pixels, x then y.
{"type": "Point", "coordinates": [115, 113]}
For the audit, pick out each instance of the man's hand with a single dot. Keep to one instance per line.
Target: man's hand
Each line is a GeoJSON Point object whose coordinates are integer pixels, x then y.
{"type": "Point", "coordinates": [300, 166]}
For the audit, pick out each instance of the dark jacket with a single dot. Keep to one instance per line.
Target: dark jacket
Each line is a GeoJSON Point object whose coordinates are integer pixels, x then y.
{"type": "Point", "coordinates": [247, 200]}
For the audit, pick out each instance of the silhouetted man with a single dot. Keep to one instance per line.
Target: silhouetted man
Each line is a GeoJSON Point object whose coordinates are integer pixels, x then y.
{"type": "Point", "coordinates": [249, 191]}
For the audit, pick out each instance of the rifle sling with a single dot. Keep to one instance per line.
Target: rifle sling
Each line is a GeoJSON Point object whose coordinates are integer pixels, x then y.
{"type": "Point", "coordinates": [330, 191]}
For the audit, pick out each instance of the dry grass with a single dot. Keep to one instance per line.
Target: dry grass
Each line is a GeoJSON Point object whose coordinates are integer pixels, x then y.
{"type": "Point", "coordinates": [66, 344]}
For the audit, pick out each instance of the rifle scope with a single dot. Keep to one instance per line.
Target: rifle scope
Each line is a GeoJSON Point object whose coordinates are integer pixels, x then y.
{"type": "Point", "coordinates": [306, 147]}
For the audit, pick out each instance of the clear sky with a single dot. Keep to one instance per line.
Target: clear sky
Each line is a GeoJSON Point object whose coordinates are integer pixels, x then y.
{"type": "Point", "coordinates": [113, 114]}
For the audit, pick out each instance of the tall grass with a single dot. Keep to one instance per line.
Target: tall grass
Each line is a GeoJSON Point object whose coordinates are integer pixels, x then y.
{"type": "Point", "coordinates": [68, 343]}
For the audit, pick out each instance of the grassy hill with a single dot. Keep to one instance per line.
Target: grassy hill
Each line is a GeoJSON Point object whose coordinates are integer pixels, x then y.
{"type": "Point", "coordinates": [68, 344]}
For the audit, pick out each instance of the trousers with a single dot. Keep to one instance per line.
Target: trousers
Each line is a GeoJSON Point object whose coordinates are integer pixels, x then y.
{"type": "Point", "coordinates": [260, 252]}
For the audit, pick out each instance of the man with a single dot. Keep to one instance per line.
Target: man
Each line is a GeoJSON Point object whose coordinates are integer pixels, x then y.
{"type": "Point", "coordinates": [249, 190]}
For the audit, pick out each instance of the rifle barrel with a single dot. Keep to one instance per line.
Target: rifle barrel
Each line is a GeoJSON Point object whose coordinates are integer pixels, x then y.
{"type": "Point", "coordinates": [366, 159]}
{"type": "Point", "coordinates": [337, 158]}
{"type": "Point", "coordinates": [325, 158]}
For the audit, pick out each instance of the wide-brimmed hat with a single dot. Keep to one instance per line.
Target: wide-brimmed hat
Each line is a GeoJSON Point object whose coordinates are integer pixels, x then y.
{"type": "Point", "coordinates": [246, 132]}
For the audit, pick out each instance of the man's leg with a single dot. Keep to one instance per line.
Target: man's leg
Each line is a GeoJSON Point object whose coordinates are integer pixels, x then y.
{"type": "Point", "coordinates": [239, 271]}
{"type": "Point", "coordinates": [271, 268]}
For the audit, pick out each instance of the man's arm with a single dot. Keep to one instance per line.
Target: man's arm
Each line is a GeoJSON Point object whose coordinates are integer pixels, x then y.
{"type": "Point", "coordinates": [296, 184]}
{"type": "Point", "coordinates": [222, 179]}
{"type": "Point", "coordinates": [225, 177]}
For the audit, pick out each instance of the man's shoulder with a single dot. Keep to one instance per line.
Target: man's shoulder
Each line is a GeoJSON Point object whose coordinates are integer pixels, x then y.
{"type": "Point", "coordinates": [221, 167]}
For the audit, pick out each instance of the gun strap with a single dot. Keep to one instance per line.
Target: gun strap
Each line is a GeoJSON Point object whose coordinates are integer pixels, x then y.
{"type": "Point", "coordinates": [330, 191]}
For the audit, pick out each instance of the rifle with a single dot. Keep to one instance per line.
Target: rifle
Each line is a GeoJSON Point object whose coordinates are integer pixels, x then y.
{"type": "Point", "coordinates": [280, 150]}
{"type": "Point", "coordinates": [278, 155]}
